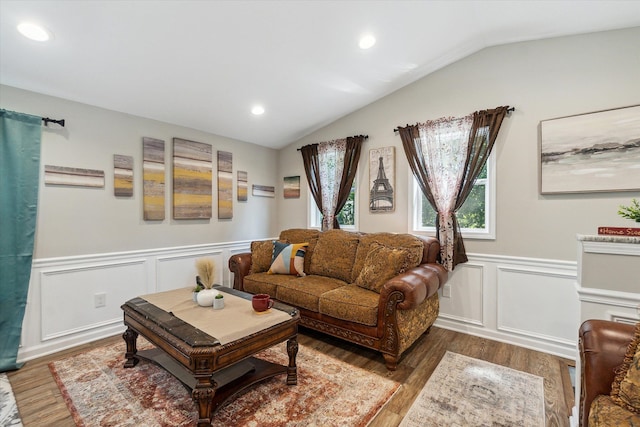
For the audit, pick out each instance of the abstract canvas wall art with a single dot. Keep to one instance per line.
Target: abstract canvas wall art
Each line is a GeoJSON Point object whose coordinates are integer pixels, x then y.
{"type": "Point", "coordinates": [75, 177]}
{"type": "Point", "coordinates": [153, 179]}
{"type": "Point", "coordinates": [122, 175]}
{"type": "Point", "coordinates": [192, 179]}
{"type": "Point", "coordinates": [243, 186]}
{"type": "Point", "coordinates": [263, 191]}
{"type": "Point", "coordinates": [292, 187]}
{"type": "Point", "coordinates": [225, 185]}
{"type": "Point", "coordinates": [591, 152]}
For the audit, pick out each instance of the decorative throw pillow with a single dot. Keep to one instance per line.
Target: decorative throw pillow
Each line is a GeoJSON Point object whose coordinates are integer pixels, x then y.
{"type": "Point", "coordinates": [381, 264]}
{"type": "Point", "coordinates": [625, 389]}
{"type": "Point", "coordinates": [335, 254]}
{"type": "Point", "coordinates": [288, 258]}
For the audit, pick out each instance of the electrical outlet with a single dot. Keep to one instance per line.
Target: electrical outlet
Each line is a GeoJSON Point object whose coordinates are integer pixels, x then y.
{"type": "Point", "coordinates": [446, 291]}
{"type": "Point", "coordinates": [100, 300]}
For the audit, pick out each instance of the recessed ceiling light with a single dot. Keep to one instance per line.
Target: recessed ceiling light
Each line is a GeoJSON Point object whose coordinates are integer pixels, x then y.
{"type": "Point", "coordinates": [258, 110]}
{"type": "Point", "coordinates": [367, 41]}
{"type": "Point", "coordinates": [33, 31]}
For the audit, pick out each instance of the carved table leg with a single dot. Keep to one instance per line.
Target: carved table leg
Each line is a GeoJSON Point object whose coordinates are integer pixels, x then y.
{"type": "Point", "coordinates": [203, 396]}
{"type": "Point", "coordinates": [130, 337]}
{"type": "Point", "coordinates": [292, 370]}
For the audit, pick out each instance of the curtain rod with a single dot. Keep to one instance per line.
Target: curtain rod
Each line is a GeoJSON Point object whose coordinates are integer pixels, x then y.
{"type": "Point", "coordinates": [364, 136]}
{"type": "Point", "coordinates": [509, 110]}
{"type": "Point", "coordinates": [47, 120]}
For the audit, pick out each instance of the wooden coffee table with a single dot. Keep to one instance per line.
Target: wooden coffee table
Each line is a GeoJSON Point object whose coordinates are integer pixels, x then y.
{"type": "Point", "coordinates": [214, 369]}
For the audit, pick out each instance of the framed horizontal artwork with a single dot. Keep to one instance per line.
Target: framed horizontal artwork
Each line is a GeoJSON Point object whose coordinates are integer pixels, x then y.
{"type": "Point", "coordinates": [263, 190]}
{"type": "Point", "coordinates": [74, 177]}
{"type": "Point", "coordinates": [591, 152]}
{"type": "Point", "coordinates": [292, 187]}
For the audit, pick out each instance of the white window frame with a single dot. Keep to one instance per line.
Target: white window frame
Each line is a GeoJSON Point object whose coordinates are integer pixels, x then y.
{"type": "Point", "coordinates": [314, 217]}
{"type": "Point", "coordinates": [487, 233]}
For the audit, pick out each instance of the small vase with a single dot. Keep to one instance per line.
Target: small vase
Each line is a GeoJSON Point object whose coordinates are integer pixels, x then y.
{"type": "Point", "coordinates": [206, 297]}
{"type": "Point", "coordinates": [218, 303]}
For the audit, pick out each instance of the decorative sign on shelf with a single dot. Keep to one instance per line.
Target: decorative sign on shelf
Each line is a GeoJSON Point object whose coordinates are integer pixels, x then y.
{"type": "Point", "coordinates": [619, 231]}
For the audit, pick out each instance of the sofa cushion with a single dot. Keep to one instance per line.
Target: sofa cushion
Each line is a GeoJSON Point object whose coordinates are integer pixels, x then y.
{"type": "Point", "coordinates": [381, 264]}
{"type": "Point", "coordinates": [265, 283]}
{"type": "Point", "coordinates": [300, 235]}
{"type": "Point", "coordinates": [304, 292]}
{"type": "Point", "coordinates": [261, 255]}
{"type": "Point", "coordinates": [351, 303]}
{"type": "Point", "coordinates": [625, 389]}
{"type": "Point", "coordinates": [334, 255]}
{"type": "Point", "coordinates": [413, 244]}
{"type": "Point", "coordinates": [605, 412]}
{"type": "Point", "coordinates": [288, 258]}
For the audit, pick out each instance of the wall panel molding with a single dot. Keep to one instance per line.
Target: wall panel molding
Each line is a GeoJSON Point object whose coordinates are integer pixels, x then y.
{"type": "Point", "coordinates": [528, 302]}
{"type": "Point", "coordinates": [59, 283]}
{"type": "Point", "coordinates": [484, 293]}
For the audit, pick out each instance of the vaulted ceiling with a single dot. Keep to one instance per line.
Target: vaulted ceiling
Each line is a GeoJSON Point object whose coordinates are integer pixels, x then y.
{"type": "Point", "coordinates": [205, 64]}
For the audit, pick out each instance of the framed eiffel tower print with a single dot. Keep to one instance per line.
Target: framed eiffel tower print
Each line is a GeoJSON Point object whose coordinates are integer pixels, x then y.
{"type": "Point", "coordinates": [382, 175]}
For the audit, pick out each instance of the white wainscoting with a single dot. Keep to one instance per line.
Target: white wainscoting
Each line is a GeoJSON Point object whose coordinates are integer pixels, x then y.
{"type": "Point", "coordinates": [528, 302]}
{"type": "Point", "coordinates": [61, 309]}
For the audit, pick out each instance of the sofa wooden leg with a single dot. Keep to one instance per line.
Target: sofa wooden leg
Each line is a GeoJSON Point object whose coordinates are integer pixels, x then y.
{"type": "Point", "coordinates": [391, 361]}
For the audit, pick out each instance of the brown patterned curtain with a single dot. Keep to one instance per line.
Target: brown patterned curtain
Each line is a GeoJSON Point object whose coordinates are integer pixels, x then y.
{"type": "Point", "coordinates": [430, 154]}
{"type": "Point", "coordinates": [312, 171]}
{"type": "Point", "coordinates": [332, 199]}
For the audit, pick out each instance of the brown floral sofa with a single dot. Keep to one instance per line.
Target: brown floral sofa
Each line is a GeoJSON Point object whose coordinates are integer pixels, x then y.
{"type": "Point", "coordinates": [378, 290]}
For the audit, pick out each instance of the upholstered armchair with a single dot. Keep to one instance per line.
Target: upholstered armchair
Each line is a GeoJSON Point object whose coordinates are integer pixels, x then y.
{"type": "Point", "coordinates": [603, 346]}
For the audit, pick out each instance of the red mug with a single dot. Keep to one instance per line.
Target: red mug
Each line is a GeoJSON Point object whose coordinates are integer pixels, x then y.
{"type": "Point", "coordinates": [261, 302]}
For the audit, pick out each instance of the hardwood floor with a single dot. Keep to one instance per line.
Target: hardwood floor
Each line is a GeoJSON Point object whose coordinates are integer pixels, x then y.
{"type": "Point", "coordinates": [41, 404]}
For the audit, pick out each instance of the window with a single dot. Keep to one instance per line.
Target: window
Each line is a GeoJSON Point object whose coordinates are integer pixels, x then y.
{"type": "Point", "coordinates": [476, 216]}
{"type": "Point", "coordinates": [346, 217]}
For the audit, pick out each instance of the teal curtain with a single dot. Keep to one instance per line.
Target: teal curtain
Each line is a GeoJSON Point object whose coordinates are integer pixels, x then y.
{"type": "Point", "coordinates": [20, 136]}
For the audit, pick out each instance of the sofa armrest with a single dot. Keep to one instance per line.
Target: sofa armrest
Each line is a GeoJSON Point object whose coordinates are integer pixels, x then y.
{"type": "Point", "coordinates": [416, 284]}
{"type": "Point", "coordinates": [240, 266]}
{"type": "Point", "coordinates": [603, 345]}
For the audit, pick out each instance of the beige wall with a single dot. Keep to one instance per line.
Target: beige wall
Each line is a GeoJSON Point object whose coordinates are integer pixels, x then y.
{"type": "Point", "coordinates": [542, 80]}
{"type": "Point", "coordinates": [76, 221]}
{"type": "Point", "coordinates": [611, 272]}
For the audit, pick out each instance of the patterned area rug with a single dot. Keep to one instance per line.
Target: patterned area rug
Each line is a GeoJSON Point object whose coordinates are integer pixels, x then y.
{"type": "Point", "coordinates": [463, 391]}
{"type": "Point", "coordinates": [9, 416]}
{"type": "Point", "coordinates": [100, 392]}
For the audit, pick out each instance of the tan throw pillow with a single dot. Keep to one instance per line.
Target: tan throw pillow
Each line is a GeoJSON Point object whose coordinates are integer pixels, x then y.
{"type": "Point", "coordinates": [625, 389]}
{"type": "Point", "coordinates": [381, 264]}
{"type": "Point", "coordinates": [334, 255]}
{"type": "Point", "coordinates": [261, 254]}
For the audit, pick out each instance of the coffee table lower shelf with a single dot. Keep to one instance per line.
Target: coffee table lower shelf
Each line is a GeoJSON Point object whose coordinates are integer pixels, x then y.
{"type": "Point", "coordinates": [228, 381]}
